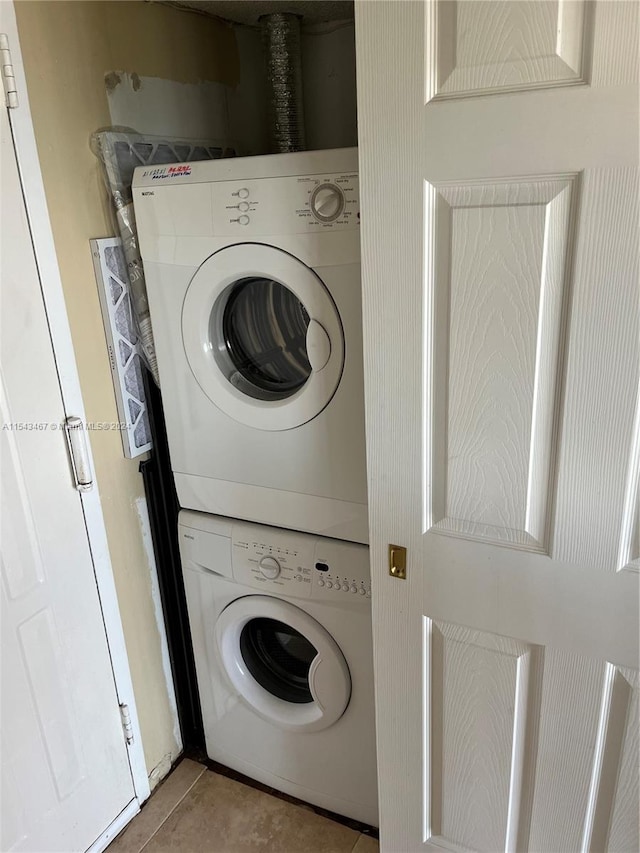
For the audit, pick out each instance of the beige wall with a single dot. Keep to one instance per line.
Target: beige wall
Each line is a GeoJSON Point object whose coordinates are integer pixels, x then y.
{"type": "Point", "coordinates": [67, 48]}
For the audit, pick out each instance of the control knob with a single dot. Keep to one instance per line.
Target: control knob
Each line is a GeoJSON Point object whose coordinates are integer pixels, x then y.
{"type": "Point", "coordinates": [327, 202]}
{"type": "Point", "coordinates": [269, 567]}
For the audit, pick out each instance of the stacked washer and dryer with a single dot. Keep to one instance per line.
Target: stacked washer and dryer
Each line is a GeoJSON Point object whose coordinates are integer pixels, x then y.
{"type": "Point", "coordinates": [253, 274]}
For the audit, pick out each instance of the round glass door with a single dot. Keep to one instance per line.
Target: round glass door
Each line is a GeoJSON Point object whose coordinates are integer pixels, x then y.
{"type": "Point", "coordinates": [284, 664]}
{"type": "Point", "coordinates": [262, 336]}
{"type": "Point", "coordinates": [279, 658]}
{"type": "Point", "coordinates": [264, 329]}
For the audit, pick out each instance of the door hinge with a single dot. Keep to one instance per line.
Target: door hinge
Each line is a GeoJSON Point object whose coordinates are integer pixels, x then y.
{"type": "Point", "coordinates": [80, 459]}
{"type": "Point", "coordinates": [127, 728]}
{"type": "Point", "coordinates": [8, 76]}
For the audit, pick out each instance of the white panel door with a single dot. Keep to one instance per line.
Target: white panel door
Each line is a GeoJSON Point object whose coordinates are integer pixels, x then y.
{"type": "Point", "coordinates": [499, 186]}
{"type": "Point", "coordinates": [65, 768]}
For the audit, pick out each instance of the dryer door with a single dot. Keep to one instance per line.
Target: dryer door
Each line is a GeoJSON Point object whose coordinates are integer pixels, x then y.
{"type": "Point", "coordinates": [283, 663]}
{"type": "Point", "coordinates": [262, 336]}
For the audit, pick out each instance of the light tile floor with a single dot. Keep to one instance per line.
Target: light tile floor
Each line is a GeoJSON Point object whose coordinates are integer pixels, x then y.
{"type": "Point", "coordinates": [196, 810]}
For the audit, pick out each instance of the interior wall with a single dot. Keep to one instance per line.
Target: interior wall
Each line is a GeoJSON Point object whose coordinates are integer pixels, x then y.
{"type": "Point", "coordinates": [247, 101]}
{"type": "Point", "coordinates": [68, 48]}
{"type": "Point", "coordinates": [235, 111]}
{"type": "Point", "coordinates": [329, 85]}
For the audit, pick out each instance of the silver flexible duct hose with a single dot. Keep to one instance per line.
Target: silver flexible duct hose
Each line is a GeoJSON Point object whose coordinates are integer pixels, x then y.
{"type": "Point", "coordinates": [281, 32]}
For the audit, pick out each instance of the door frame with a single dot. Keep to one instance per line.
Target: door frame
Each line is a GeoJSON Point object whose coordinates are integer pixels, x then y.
{"type": "Point", "coordinates": [24, 141]}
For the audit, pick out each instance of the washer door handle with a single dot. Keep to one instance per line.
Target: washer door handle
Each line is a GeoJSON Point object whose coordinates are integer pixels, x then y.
{"type": "Point", "coordinates": [318, 346]}
{"type": "Point", "coordinates": [316, 689]}
{"type": "Point", "coordinates": [329, 682]}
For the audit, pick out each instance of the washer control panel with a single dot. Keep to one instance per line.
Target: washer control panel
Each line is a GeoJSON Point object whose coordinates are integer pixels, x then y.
{"type": "Point", "coordinates": [341, 571]}
{"type": "Point", "coordinates": [300, 565]}
{"type": "Point", "coordinates": [306, 204]}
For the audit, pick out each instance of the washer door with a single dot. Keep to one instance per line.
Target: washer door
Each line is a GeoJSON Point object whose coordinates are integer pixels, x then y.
{"type": "Point", "coordinates": [284, 664]}
{"type": "Point", "coordinates": [262, 336]}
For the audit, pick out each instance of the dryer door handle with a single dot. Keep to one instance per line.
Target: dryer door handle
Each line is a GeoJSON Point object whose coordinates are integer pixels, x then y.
{"type": "Point", "coordinates": [318, 346]}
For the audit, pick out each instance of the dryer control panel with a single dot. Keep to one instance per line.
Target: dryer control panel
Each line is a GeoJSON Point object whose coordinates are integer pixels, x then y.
{"type": "Point", "coordinates": [300, 565]}
{"type": "Point", "coordinates": [304, 204]}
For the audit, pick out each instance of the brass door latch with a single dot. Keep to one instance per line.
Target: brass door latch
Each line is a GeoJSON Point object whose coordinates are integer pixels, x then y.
{"type": "Point", "coordinates": [398, 562]}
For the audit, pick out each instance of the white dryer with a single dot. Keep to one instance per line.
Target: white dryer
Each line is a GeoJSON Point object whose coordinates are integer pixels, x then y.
{"type": "Point", "coordinates": [281, 630]}
{"type": "Point", "coordinates": [253, 273]}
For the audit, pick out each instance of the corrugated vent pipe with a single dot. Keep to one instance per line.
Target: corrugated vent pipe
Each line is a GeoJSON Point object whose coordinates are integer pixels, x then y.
{"type": "Point", "coordinates": [281, 32]}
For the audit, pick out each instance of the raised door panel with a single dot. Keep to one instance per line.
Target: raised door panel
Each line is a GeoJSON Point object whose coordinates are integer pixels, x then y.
{"type": "Point", "coordinates": [527, 748]}
{"type": "Point", "coordinates": [22, 567]}
{"type": "Point", "coordinates": [620, 820]}
{"type": "Point", "coordinates": [629, 555]}
{"type": "Point", "coordinates": [484, 710]}
{"type": "Point", "coordinates": [497, 282]}
{"type": "Point", "coordinates": [597, 502]}
{"type": "Point", "coordinates": [570, 705]}
{"type": "Point", "coordinates": [477, 47]}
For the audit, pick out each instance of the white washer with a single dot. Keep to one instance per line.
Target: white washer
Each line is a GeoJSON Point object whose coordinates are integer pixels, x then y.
{"type": "Point", "coordinates": [281, 630]}
{"type": "Point", "coordinates": [253, 273]}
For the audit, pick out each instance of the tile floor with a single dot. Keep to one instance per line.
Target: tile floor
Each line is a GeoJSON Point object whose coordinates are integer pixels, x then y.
{"type": "Point", "coordinates": [197, 811]}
